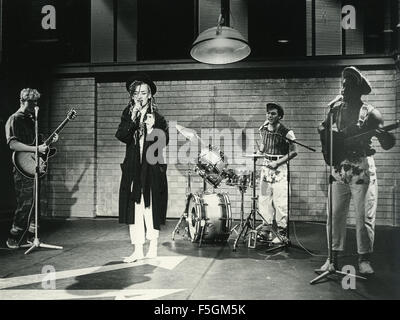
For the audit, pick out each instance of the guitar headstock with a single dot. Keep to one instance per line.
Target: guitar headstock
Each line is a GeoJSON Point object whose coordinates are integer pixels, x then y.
{"type": "Point", "coordinates": [71, 114]}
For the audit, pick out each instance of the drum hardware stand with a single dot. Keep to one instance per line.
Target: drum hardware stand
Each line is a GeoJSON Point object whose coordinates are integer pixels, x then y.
{"type": "Point", "coordinates": [251, 218]}
{"type": "Point", "coordinates": [36, 242]}
{"type": "Point", "coordinates": [331, 268]}
{"type": "Point", "coordinates": [203, 224]}
{"type": "Point", "coordinates": [240, 225]}
{"type": "Point", "coordinates": [185, 213]}
{"type": "Point", "coordinates": [285, 240]}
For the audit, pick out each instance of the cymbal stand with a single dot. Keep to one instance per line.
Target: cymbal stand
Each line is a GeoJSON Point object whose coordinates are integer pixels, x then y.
{"type": "Point", "coordinates": [250, 223]}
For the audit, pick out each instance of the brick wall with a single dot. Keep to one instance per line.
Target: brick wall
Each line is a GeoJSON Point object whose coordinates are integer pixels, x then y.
{"type": "Point", "coordinates": [71, 190]}
{"type": "Point", "coordinates": [396, 188]}
{"type": "Point", "coordinates": [91, 153]}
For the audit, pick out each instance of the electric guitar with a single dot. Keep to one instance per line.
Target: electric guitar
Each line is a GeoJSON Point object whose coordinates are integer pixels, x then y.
{"type": "Point", "coordinates": [25, 162]}
{"type": "Point", "coordinates": [341, 143]}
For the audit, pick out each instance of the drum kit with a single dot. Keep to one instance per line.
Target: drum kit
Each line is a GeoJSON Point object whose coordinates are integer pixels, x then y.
{"type": "Point", "coordinates": [207, 216]}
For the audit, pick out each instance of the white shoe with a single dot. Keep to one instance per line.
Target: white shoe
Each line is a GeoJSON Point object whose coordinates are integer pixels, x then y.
{"type": "Point", "coordinates": [328, 265]}
{"type": "Point", "coordinates": [276, 240]}
{"type": "Point", "coordinates": [133, 257]}
{"type": "Point", "coordinates": [364, 267]}
{"type": "Point", "coordinates": [325, 266]}
{"type": "Point", "coordinates": [136, 255]}
{"type": "Point", "coordinates": [152, 249]}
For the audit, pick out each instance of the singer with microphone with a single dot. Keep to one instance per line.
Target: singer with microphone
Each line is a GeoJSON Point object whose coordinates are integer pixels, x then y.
{"type": "Point", "coordinates": [354, 175]}
{"type": "Point", "coordinates": [143, 193]}
{"type": "Point", "coordinates": [273, 195]}
{"type": "Point", "coordinates": [20, 135]}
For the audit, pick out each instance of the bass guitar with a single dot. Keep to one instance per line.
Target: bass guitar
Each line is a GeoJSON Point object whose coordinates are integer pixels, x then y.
{"type": "Point", "coordinates": [25, 162]}
{"type": "Point", "coordinates": [341, 143]}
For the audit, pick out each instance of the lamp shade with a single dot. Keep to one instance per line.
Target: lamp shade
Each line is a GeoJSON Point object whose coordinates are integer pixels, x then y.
{"type": "Point", "coordinates": [220, 45]}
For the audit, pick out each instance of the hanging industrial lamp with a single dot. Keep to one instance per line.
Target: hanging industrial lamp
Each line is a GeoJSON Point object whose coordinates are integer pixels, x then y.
{"type": "Point", "coordinates": [220, 44]}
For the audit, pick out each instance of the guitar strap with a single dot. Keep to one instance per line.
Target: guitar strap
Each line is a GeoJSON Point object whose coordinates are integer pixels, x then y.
{"type": "Point", "coordinates": [365, 110]}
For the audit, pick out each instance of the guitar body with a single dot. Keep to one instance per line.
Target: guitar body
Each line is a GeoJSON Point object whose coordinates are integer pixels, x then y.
{"type": "Point", "coordinates": [338, 146]}
{"type": "Point", "coordinates": [25, 162]}
{"type": "Point", "coordinates": [342, 142]}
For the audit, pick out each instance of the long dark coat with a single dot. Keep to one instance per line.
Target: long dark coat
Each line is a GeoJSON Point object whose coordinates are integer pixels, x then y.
{"type": "Point", "coordinates": [147, 177]}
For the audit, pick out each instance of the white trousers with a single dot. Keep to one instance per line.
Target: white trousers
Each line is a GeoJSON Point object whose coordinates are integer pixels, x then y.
{"type": "Point", "coordinates": [365, 199]}
{"type": "Point", "coordinates": [143, 227]}
{"type": "Point", "coordinates": [273, 197]}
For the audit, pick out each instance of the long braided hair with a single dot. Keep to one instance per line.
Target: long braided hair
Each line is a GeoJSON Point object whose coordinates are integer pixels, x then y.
{"type": "Point", "coordinates": [132, 88]}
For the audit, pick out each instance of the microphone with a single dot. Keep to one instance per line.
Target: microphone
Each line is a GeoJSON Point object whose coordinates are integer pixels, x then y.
{"type": "Point", "coordinates": [337, 99]}
{"type": "Point", "coordinates": [36, 111]}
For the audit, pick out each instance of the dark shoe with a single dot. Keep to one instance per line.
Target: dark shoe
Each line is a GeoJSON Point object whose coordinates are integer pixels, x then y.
{"type": "Point", "coordinates": [12, 243]}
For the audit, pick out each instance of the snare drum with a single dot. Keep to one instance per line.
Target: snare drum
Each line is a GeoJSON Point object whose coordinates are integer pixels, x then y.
{"type": "Point", "coordinates": [213, 213]}
{"type": "Point", "coordinates": [211, 165]}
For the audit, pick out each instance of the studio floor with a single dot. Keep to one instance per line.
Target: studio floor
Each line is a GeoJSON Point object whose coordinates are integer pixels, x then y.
{"type": "Point", "coordinates": [90, 266]}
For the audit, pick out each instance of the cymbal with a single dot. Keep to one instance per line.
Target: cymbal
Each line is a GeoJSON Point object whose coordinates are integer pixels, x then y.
{"type": "Point", "coordinates": [254, 155]}
{"type": "Point", "coordinates": [189, 134]}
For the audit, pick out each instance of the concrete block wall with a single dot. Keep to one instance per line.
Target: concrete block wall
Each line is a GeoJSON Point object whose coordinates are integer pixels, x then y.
{"type": "Point", "coordinates": [201, 105]}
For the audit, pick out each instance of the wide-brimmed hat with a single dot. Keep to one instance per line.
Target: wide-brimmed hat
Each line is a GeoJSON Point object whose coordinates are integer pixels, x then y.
{"type": "Point", "coordinates": [143, 78]}
{"type": "Point", "coordinates": [362, 81]}
{"type": "Point", "coordinates": [274, 105]}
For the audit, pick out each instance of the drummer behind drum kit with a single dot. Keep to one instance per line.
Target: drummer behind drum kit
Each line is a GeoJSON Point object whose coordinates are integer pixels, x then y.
{"type": "Point", "coordinates": [207, 215]}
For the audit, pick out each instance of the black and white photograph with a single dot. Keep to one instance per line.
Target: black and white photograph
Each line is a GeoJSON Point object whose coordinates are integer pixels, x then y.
{"type": "Point", "coordinates": [200, 156]}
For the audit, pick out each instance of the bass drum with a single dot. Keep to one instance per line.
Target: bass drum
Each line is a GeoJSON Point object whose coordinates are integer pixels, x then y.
{"type": "Point", "coordinates": [209, 217]}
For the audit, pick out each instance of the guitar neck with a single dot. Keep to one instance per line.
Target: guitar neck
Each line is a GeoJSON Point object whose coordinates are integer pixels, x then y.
{"type": "Point", "coordinates": [58, 129]}
{"type": "Point", "coordinates": [371, 133]}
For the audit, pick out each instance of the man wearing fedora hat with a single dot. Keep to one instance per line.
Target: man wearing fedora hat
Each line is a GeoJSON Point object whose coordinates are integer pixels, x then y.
{"type": "Point", "coordinates": [277, 151]}
{"type": "Point", "coordinates": [355, 176]}
{"type": "Point", "coordinates": [143, 193]}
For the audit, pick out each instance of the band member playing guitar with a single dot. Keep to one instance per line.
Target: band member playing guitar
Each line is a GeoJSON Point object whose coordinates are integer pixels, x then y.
{"type": "Point", "coordinates": [20, 134]}
{"type": "Point", "coordinates": [273, 201]}
{"type": "Point", "coordinates": [354, 175]}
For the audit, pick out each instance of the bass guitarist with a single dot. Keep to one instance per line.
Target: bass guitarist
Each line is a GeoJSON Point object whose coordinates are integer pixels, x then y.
{"type": "Point", "coordinates": [355, 174]}
{"type": "Point", "coordinates": [20, 134]}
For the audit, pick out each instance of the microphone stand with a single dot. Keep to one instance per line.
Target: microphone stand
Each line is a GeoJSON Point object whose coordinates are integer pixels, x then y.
{"type": "Point", "coordinates": [331, 269]}
{"type": "Point", "coordinates": [36, 242]}
{"type": "Point", "coordinates": [286, 242]}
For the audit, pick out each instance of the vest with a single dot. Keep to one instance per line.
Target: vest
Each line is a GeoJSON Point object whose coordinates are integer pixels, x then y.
{"type": "Point", "coordinates": [273, 141]}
